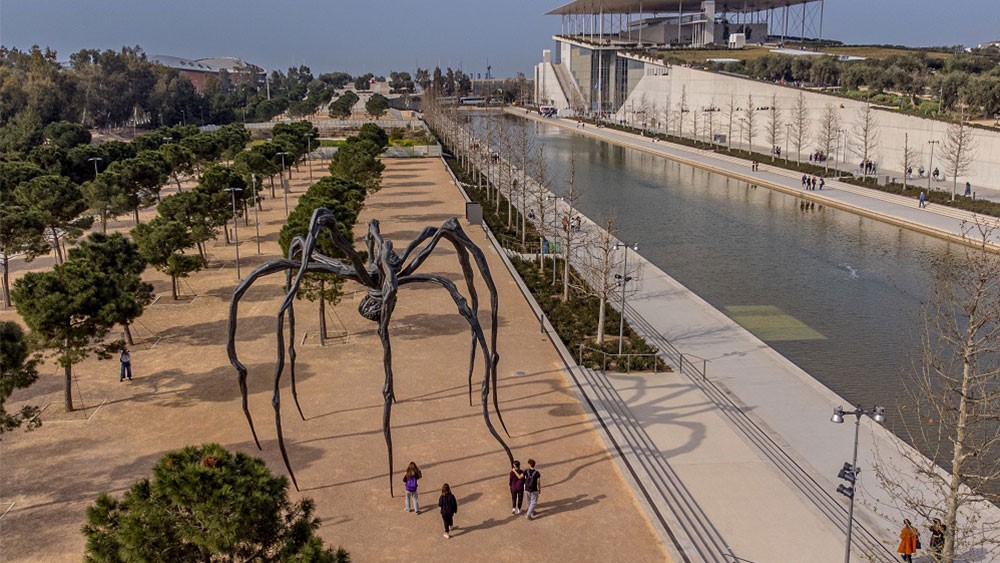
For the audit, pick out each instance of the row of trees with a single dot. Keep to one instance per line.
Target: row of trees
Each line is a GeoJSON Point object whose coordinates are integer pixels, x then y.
{"type": "Point", "coordinates": [798, 127]}
{"type": "Point", "coordinates": [120, 87]}
{"type": "Point", "coordinates": [963, 80]}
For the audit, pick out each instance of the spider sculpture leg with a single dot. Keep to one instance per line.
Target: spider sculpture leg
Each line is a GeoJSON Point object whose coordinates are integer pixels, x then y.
{"type": "Point", "coordinates": [453, 232]}
{"type": "Point", "coordinates": [274, 266]}
{"type": "Point", "coordinates": [469, 314]}
{"type": "Point", "coordinates": [463, 259]}
{"type": "Point", "coordinates": [294, 247]}
{"type": "Point", "coordinates": [389, 288]}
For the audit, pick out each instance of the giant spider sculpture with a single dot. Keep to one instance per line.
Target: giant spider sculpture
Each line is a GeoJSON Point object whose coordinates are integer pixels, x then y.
{"type": "Point", "coordinates": [383, 275]}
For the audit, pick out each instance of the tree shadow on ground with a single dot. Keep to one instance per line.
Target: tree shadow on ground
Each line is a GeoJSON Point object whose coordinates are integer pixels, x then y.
{"type": "Point", "coordinates": [404, 205]}
{"type": "Point", "coordinates": [214, 333]}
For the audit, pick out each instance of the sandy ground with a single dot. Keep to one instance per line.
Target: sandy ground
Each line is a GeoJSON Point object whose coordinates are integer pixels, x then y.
{"type": "Point", "coordinates": [185, 392]}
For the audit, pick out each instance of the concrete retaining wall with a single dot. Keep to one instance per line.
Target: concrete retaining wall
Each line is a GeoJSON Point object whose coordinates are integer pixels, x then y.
{"type": "Point", "coordinates": [705, 89]}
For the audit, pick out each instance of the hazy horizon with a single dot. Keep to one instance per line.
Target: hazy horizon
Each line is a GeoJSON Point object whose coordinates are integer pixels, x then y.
{"type": "Point", "coordinates": [387, 35]}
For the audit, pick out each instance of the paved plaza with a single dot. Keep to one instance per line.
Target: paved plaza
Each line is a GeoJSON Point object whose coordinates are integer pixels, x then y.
{"type": "Point", "coordinates": [185, 392]}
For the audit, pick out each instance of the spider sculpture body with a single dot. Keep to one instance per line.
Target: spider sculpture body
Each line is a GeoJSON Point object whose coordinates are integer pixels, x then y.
{"type": "Point", "coordinates": [383, 275]}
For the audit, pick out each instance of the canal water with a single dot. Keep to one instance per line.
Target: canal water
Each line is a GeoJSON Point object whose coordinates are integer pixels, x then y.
{"type": "Point", "coordinates": [837, 294]}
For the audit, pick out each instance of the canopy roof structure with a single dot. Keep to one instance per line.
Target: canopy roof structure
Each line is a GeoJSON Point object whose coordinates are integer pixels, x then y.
{"type": "Point", "coordinates": [668, 6]}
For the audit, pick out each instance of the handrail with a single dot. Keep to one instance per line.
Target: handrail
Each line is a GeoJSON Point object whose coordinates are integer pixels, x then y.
{"type": "Point", "coordinates": [628, 358]}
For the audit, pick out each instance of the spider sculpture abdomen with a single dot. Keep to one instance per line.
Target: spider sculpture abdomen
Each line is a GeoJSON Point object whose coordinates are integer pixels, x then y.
{"type": "Point", "coordinates": [371, 307]}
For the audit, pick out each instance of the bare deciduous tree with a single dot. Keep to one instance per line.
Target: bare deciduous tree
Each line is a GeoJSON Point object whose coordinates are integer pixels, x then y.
{"type": "Point", "coordinates": [599, 263]}
{"type": "Point", "coordinates": [750, 121]}
{"type": "Point", "coordinates": [731, 110]}
{"type": "Point", "coordinates": [865, 133]}
{"type": "Point", "coordinates": [908, 158]}
{"type": "Point", "coordinates": [774, 124]}
{"type": "Point", "coordinates": [569, 224]}
{"type": "Point", "coordinates": [800, 125]}
{"type": "Point", "coordinates": [952, 408]}
{"type": "Point", "coordinates": [681, 108]}
{"type": "Point", "coordinates": [957, 152]}
{"type": "Point", "coordinates": [829, 129]}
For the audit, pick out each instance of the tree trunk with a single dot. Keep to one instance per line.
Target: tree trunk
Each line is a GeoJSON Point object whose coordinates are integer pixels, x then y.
{"type": "Point", "coordinates": [104, 222]}
{"type": "Point", "coordinates": [6, 281]}
{"type": "Point", "coordinates": [173, 287]}
{"type": "Point", "coordinates": [128, 334]}
{"type": "Point", "coordinates": [225, 232]}
{"type": "Point", "coordinates": [600, 320]}
{"type": "Point", "coordinates": [135, 214]}
{"type": "Point", "coordinates": [68, 370]}
{"type": "Point", "coordinates": [177, 179]}
{"type": "Point", "coordinates": [201, 250]}
{"type": "Point", "coordinates": [55, 244]}
{"type": "Point", "coordinates": [958, 450]}
{"type": "Point", "coordinates": [272, 186]}
{"type": "Point", "coordinates": [565, 291]}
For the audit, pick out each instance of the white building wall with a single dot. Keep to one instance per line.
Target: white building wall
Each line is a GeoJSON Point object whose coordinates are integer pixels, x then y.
{"type": "Point", "coordinates": [547, 89]}
{"type": "Point", "coordinates": [709, 89]}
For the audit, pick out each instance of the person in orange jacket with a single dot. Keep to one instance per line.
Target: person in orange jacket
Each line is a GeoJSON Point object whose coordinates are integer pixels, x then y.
{"type": "Point", "coordinates": [909, 541]}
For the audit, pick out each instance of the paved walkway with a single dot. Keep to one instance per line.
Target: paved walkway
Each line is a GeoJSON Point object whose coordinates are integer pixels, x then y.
{"type": "Point", "coordinates": [185, 392]}
{"type": "Point", "coordinates": [772, 405]}
{"type": "Point", "coordinates": [936, 220]}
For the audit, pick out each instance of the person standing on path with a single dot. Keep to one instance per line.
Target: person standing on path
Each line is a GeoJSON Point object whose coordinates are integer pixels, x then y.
{"type": "Point", "coordinates": [968, 189]}
{"type": "Point", "coordinates": [923, 201]}
{"type": "Point", "coordinates": [410, 479]}
{"type": "Point", "coordinates": [909, 539]}
{"type": "Point", "coordinates": [936, 542]}
{"type": "Point", "coordinates": [516, 480]}
{"type": "Point", "coordinates": [449, 508]}
{"type": "Point", "coordinates": [126, 360]}
{"type": "Point", "coordinates": [532, 487]}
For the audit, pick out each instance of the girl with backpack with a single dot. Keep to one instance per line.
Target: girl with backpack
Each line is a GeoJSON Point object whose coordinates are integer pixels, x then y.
{"type": "Point", "coordinates": [410, 479]}
{"type": "Point", "coordinates": [449, 508]}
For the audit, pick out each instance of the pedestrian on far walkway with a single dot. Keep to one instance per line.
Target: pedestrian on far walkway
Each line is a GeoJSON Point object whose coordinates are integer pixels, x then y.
{"type": "Point", "coordinates": [449, 508]}
{"type": "Point", "coordinates": [516, 480]}
{"type": "Point", "coordinates": [410, 479]}
{"type": "Point", "coordinates": [822, 182]}
{"type": "Point", "coordinates": [909, 539]}
{"type": "Point", "coordinates": [126, 370]}
{"type": "Point", "coordinates": [937, 538]}
{"type": "Point", "coordinates": [532, 487]}
{"type": "Point", "coordinates": [968, 189]}
{"type": "Point", "coordinates": [923, 201]}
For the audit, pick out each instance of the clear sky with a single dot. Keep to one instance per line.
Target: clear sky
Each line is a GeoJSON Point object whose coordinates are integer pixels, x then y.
{"type": "Point", "coordinates": [383, 35]}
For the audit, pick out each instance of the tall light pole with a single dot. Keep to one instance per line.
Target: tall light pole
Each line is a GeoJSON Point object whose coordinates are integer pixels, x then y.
{"type": "Point", "coordinates": [843, 145]}
{"type": "Point", "coordinates": [256, 216]}
{"type": "Point", "coordinates": [284, 186]}
{"type": "Point", "coordinates": [851, 470]}
{"type": "Point", "coordinates": [95, 160]}
{"type": "Point", "coordinates": [931, 166]}
{"type": "Point", "coordinates": [623, 279]}
{"type": "Point", "coordinates": [236, 231]}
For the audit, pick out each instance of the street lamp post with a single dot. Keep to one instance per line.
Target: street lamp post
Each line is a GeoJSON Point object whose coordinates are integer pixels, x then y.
{"type": "Point", "coordinates": [623, 279]}
{"type": "Point", "coordinates": [930, 167]}
{"type": "Point", "coordinates": [95, 160]}
{"type": "Point", "coordinates": [851, 470]}
{"type": "Point", "coordinates": [284, 186]}
{"type": "Point", "coordinates": [256, 215]}
{"type": "Point", "coordinates": [236, 231]}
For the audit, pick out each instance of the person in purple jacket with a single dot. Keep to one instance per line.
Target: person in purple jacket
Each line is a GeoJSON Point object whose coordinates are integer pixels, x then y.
{"type": "Point", "coordinates": [516, 488]}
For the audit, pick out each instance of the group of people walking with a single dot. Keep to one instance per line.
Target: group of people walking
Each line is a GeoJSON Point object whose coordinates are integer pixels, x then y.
{"type": "Point", "coordinates": [811, 182]}
{"type": "Point", "coordinates": [909, 540]}
{"type": "Point", "coordinates": [522, 483]}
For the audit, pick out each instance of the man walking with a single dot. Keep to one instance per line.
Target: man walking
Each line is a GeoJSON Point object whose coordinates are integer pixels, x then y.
{"type": "Point", "coordinates": [532, 487]}
{"type": "Point", "coordinates": [126, 361]}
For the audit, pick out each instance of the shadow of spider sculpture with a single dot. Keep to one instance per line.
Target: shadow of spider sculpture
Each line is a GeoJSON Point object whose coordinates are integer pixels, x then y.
{"type": "Point", "coordinates": [385, 272]}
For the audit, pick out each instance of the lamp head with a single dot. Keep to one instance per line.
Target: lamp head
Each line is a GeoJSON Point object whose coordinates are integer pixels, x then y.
{"type": "Point", "coordinates": [879, 414]}
{"type": "Point", "coordinates": [838, 415]}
